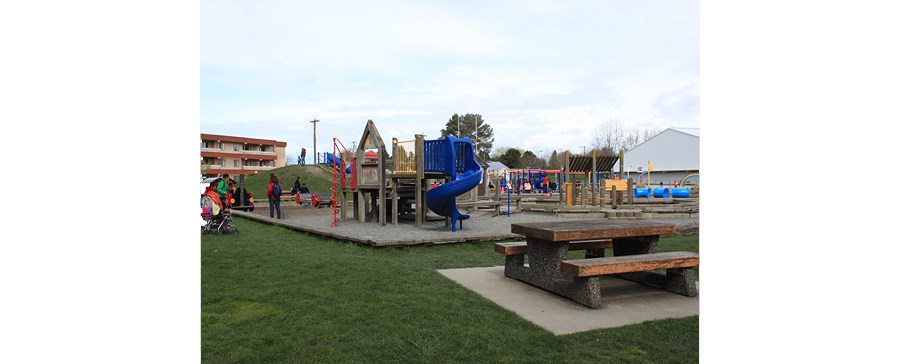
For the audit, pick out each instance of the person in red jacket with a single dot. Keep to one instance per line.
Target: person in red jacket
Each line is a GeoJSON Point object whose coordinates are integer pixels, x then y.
{"type": "Point", "coordinates": [274, 198]}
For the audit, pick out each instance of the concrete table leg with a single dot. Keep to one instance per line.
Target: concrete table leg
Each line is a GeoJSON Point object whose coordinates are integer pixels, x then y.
{"type": "Point", "coordinates": [678, 280]}
{"type": "Point", "coordinates": [544, 259]}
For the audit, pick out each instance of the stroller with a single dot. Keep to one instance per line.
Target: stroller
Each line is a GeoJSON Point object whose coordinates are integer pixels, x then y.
{"type": "Point", "coordinates": [217, 216]}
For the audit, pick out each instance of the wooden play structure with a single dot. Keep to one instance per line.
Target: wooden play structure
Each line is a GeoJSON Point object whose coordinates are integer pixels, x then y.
{"type": "Point", "coordinates": [390, 186]}
{"type": "Point", "coordinates": [583, 181]}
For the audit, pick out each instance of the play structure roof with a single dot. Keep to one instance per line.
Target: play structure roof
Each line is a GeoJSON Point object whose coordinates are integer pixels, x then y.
{"type": "Point", "coordinates": [584, 163]}
{"type": "Point", "coordinates": [674, 149]}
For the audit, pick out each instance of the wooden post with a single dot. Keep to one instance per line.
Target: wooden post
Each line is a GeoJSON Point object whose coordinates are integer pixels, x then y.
{"type": "Point", "coordinates": [612, 197]}
{"type": "Point", "coordinates": [359, 199]}
{"type": "Point", "coordinates": [602, 191]}
{"type": "Point", "coordinates": [583, 191]}
{"type": "Point", "coordinates": [621, 163]}
{"type": "Point", "coordinates": [420, 179]}
{"type": "Point", "coordinates": [343, 196]}
{"type": "Point", "coordinates": [394, 154]}
{"type": "Point", "coordinates": [497, 197]}
{"type": "Point", "coordinates": [395, 216]}
{"type": "Point", "coordinates": [382, 161]}
{"type": "Point", "coordinates": [630, 191]}
{"type": "Point", "coordinates": [593, 178]}
{"type": "Point", "coordinates": [357, 206]}
{"type": "Point", "coordinates": [566, 191]}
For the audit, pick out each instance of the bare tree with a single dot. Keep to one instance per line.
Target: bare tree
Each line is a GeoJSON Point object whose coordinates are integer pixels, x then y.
{"type": "Point", "coordinates": [612, 136]}
{"type": "Point", "coordinates": [609, 135]}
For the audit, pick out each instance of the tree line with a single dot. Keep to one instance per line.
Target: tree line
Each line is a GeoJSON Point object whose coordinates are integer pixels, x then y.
{"type": "Point", "coordinates": [608, 138]}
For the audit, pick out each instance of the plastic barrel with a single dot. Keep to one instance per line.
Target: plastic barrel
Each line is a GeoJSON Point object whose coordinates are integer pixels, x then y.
{"type": "Point", "coordinates": [641, 192]}
{"type": "Point", "coordinates": [661, 192]}
{"type": "Point", "coordinates": [681, 192]}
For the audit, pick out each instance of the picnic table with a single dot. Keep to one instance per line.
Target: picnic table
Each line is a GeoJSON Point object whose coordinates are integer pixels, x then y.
{"type": "Point", "coordinates": [633, 244]}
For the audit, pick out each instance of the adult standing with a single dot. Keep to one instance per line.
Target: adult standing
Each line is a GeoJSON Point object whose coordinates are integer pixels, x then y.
{"type": "Point", "coordinates": [274, 195]}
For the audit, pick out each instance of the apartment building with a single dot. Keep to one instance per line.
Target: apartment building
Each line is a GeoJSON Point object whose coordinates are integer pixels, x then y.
{"type": "Point", "coordinates": [220, 154]}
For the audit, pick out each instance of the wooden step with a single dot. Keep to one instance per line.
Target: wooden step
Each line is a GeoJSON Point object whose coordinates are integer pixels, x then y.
{"type": "Point", "coordinates": [629, 263]}
{"type": "Point", "coordinates": [516, 248]}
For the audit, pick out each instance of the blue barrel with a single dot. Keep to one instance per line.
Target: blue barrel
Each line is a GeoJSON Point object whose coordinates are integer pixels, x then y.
{"type": "Point", "coordinates": [641, 192]}
{"type": "Point", "coordinates": [681, 192]}
{"type": "Point", "coordinates": [661, 192]}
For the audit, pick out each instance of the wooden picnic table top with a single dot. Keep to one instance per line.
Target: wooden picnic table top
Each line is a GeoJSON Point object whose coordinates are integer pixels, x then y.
{"type": "Point", "coordinates": [565, 231]}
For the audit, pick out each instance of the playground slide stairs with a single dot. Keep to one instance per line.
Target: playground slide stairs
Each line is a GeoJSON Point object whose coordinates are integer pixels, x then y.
{"type": "Point", "coordinates": [442, 199]}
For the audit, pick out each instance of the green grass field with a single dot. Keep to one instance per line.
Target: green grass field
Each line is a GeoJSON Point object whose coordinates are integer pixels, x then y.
{"type": "Point", "coordinates": [272, 295]}
{"type": "Point", "coordinates": [316, 179]}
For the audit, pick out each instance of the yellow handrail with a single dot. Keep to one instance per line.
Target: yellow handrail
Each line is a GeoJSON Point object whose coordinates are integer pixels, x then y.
{"type": "Point", "coordinates": [405, 156]}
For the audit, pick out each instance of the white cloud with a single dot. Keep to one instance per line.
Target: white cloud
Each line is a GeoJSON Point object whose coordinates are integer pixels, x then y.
{"type": "Point", "coordinates": [542, 74]}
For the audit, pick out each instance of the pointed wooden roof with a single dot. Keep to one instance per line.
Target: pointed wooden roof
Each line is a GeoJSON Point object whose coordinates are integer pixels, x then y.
{"type": "Point", "coordinates": [370, 133]}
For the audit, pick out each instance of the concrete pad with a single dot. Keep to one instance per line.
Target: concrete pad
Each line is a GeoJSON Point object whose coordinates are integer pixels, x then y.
{"type": "Point", "coordinates": [624, 302]}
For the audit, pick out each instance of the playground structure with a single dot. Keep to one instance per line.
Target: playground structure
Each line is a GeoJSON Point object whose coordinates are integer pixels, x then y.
{"type": "Point", "coordinates": [589, 180]}
{"type": "Point", "coordinates": [396, 185]}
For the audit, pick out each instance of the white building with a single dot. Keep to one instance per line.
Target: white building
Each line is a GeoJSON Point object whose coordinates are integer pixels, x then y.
{"type": "Point", "coordinates": [675, 153]}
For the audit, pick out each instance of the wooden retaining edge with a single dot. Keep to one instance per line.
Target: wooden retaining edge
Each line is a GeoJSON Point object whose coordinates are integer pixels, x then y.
{"type": "Point", "coordinates": [376, 243]}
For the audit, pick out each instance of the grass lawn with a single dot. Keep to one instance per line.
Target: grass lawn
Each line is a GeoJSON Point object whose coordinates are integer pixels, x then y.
{"type": "Point", "coordinates": [275, 295]}
{"type": "Point", "coordinates": [316, 179]}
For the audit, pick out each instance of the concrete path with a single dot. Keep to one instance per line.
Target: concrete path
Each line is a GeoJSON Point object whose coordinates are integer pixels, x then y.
{"type": "Point", "coordinates": [624, 302]}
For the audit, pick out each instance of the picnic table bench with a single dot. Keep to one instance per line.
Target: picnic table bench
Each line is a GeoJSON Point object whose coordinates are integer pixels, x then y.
{"type": "Point", "coordinates": [633, 244]}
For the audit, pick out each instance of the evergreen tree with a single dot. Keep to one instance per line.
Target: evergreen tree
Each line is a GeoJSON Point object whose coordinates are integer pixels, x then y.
{"type": "Point", "coordinates": [511, 158]}
{"type": "Point", "coordinates": [467, 123]}
{"type": "Point", "coordinates": [554, 161]}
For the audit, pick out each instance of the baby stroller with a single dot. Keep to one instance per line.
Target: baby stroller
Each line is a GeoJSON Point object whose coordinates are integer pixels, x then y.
{"type": "Point", "coordinates": [218, 217]}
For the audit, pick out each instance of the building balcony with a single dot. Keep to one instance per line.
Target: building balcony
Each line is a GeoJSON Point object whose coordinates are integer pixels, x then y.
{"type": "Point", "coordinates": [256, 152]}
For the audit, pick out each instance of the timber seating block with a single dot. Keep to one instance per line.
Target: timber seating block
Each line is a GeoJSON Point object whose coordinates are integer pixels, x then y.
{"type": "Point", "coordinates": [629, 263]}
{"type": "Point", "coordinates": [517, 248]}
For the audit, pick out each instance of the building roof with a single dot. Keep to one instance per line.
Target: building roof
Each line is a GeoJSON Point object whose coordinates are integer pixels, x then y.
{"type": "Point", "coordinates": [692, 131]}
{"type": "Point", "coordinates": [237, 139]}
{"type": "Point", "coordinates": [674, 149]}
{"type": "Point", "coordinates": [496, 165]}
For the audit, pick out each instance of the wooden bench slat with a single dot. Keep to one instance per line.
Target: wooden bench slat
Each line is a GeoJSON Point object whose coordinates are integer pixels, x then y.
{"type": "Point", "coordinates": [516, 248]}
{"type": "Point", "coordinates": [629, 263]}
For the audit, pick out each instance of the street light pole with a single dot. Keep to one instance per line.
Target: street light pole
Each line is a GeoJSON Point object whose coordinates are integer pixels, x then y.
{"type": "Point", "coordinates": [315, 121]}
{"type": "Point", "coordinates": [583, 151]}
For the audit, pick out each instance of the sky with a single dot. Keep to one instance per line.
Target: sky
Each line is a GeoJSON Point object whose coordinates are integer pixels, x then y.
{"type": "Point", "coordinates": [543, 74]}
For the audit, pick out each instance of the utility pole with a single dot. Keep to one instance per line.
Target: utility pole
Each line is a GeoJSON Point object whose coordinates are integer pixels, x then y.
{"type": "Point", "coordinates": [583, 150]}
{"type": "Point", "coordinates": [315, 121]}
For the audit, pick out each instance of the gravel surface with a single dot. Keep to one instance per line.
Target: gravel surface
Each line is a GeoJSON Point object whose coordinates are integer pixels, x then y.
{"type": "Point", "coordinates": [481, 224]}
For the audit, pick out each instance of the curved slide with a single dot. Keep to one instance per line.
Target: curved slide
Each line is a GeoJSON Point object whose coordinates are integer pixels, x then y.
{"type": "Point", "coordinates": [442, 199]}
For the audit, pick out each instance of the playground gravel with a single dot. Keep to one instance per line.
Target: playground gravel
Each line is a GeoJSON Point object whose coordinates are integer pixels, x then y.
{"type": "Point", "coordinates": [481, 226]}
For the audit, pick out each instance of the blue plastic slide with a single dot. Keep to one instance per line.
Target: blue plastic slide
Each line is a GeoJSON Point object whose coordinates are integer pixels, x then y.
{"type": "Point", "coordinates": [442, 199]}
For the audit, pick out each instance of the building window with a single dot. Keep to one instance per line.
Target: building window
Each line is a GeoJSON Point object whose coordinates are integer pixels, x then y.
{"type": "Point", "coordinates": [237, 147]}
{"type": "Point", "coordinates": [221, 146]}
{"type": "Point", "coordinates": [222, 162]}
{"type": "Point", "coordinates": [237, 163]}
{"type": "Point", "coordinates": [204, 144]}
{"type": "Point", "coordinates": [262, 148]}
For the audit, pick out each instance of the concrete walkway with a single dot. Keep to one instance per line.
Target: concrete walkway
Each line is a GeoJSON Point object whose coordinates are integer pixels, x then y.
{"type": "Point", "coordinates": [624, 302]}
